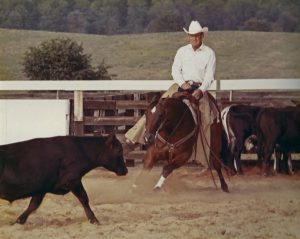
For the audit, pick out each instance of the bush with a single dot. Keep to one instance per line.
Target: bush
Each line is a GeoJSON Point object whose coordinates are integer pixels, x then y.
{"type": "Point", "coordinates": [61, 59]}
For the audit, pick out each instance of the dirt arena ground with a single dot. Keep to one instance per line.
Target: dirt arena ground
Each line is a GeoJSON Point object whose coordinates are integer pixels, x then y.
{"type": "Point", "coordinates": [189, 206]}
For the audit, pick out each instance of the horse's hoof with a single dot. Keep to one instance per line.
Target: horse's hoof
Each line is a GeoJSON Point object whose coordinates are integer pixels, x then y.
{"type": "Point", "coordinates": [268, 174]}
{"type": "Point", "coordinates": [225, 188]}
{"type": "Point", "coordinates": [157, 189]}
{"type": "Point", "coordinates": [94, 221]}
{"type": "Point", "coordinates": [20, 221]}
{"type": "Point", "coordinates": [232, 173]}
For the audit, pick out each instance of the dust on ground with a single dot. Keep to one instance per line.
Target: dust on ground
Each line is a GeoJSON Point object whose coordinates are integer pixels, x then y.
{"type": "Point", "coordinates": [188, 206]}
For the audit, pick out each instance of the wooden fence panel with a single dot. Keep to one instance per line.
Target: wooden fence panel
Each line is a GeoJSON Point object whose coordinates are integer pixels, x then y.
{"type": "Point", "coordinates": [110, 120]}
{"type": "Point", "coordinates": [116, 112]}
{"type": "Point", "coordinates": [108, 116]}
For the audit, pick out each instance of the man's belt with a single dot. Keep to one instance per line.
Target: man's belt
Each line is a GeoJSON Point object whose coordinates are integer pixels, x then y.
{"type": "Point", "coordinates": [197, 84]}
{"type": "Point", "coordinates": [194, 87]}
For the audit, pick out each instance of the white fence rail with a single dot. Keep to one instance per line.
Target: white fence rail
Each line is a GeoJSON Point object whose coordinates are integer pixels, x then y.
{"type": "Point", "coordinates": [153, 85]}
{"type": "Point", "coordinates": [23, 120]}
{"type": "Point", "coordinates": [260, 84]}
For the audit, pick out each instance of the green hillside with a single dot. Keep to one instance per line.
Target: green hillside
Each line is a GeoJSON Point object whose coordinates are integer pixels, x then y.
{"type": "Point", "coordinates": [149, 56]}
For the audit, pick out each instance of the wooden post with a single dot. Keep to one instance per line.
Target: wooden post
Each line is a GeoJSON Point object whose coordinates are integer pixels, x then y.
{"type": "Point", "coordinates": [136, 97]}
{"type": "Point", "coordinates": [230, 96]}
{"type": "Point", "coordinates": [78, 113]}
{"type": "Point", "coordinates": [215, 91]}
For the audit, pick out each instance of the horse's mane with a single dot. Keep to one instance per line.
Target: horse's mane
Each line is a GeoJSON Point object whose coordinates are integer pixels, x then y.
{"type": "Point", "coordinates": [177, 109]}
{"type": "Point", "coordinates": [185, 95]}
{"type": "Point", "coordinates": [175, 104]}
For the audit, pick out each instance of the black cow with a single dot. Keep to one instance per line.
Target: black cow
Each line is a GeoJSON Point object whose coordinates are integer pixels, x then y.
{"type": "Point", "coordinates": [283, 158]}
{"type": "Point", "coordinates": [278, 126]}
{"type": "Point", "coordinates": [55, 165]}
{"type": "Point", "coordinates": [239, 122]}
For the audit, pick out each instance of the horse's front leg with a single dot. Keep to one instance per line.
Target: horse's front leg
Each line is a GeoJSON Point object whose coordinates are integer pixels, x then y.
{"type": "Point", "coordinates": [150, 158]}
{"type": "Point", "coordinates": [182, 156]}
{"type": "Point", "coordinates": [167, 170]}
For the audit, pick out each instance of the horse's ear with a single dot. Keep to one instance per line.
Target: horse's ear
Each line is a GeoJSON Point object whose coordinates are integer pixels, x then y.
{"type": "Point", "coordinates": [154, 100]}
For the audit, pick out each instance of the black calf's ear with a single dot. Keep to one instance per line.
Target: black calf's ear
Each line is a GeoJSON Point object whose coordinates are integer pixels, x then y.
{"type": "Point", "coordinates": [110, 139]}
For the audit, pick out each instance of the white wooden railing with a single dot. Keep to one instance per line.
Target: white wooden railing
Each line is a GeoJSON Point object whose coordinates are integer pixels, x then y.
{"type": "Point", "coordinates": [141, 85]}
{"type": "Point", "coordinates": [78, 87]}
{"type": "Point", "coordinates": [153, 85]}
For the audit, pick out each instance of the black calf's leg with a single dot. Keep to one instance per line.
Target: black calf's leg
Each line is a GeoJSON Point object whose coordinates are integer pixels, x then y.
{"type": "Point", "coordinates": [237, 156]}
{"type": "Point", "coordinates": [289, 164]}
{"type": "Point", "coordinates": [232, 161]}
{"type": "Point", "coordinates": [268, 150]}
{"type": "Point", "coordinates": [35, 202]}
{"type": "Point", "coordinates": [277, 160]}
{"type": "Point", "coordinates": [81, 194]}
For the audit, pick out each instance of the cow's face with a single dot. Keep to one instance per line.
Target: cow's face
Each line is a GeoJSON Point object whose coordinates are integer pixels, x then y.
{"type": "Point", "coordinates": [251, 143]}
{"type": "Point", "coordinates": [112, 158]}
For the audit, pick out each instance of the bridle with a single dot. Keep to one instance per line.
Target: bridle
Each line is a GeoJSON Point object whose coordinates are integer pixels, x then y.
{"type": "Point", "coordinates": [172, 146]}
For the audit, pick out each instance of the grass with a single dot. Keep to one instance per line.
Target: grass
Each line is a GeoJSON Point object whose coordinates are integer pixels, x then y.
{"type": "Point", "coordinates": [240, 54]}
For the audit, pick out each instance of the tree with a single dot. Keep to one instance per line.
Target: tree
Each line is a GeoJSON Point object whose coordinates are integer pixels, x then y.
{"type": "Point", "coordinates": [61, 59]}
{"type": "Point", "coordinates": [137, 15]}
{"type": "Point", "coordinates": [54, 14]}
{"type": "Point", "coordinates": [77, 22]}
{"type": "Point", "coordinates": [109, 15]}
{"type": "Point", "coordinates": [288, 21]}
{"type": "Point", "coordinates": [16, 17]}
{"type": "Point", "coordinates": [164, 16]}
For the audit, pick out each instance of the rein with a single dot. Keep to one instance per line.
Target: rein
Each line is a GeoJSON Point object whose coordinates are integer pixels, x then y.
{"type": "Point", "coordinates": [171, 146]}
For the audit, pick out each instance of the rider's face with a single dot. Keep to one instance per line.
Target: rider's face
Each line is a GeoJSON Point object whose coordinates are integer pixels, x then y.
{"type": "Point", "coordinates": [196, 40]}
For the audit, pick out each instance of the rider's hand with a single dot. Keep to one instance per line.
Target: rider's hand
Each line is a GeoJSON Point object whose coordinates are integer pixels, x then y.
{"type": "Point", "coordinates": [198, 94]}
{"type": "Point", "coordinates": [186, 86]}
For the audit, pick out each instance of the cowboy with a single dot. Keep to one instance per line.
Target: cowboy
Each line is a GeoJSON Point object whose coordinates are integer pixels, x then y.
{"type": "Point", "coordinates": [194, 66]}
{"type": "Point", "coordinates": [195, 62]}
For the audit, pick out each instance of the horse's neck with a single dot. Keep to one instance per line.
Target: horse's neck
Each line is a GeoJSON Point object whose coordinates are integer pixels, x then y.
{"type": "Point", "coordinates": [179, 116]}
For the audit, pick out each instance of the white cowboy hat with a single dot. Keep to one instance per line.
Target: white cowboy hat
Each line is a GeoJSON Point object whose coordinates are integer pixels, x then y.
{"type": "Point", "coordinates": [195, 28]}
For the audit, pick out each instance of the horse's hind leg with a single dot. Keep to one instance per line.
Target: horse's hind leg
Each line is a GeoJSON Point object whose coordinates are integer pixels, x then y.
{"type": "Point", "coordinates": [216, 147]}
{"type": "Point", "coordinates": [216, 163]}
{"type": "Point", "coordinates": [222, 180]}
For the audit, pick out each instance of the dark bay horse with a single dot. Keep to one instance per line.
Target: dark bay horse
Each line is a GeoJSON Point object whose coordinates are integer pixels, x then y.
{"type": "Point", "coordinates": [171, 132]}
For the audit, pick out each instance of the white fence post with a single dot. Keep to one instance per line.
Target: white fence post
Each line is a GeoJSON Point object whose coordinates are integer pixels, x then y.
{"type": "Point", "coordinates": [78, 112]}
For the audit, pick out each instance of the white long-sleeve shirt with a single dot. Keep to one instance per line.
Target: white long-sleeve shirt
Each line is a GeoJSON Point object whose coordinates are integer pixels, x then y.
{"type": "Point", "coordinates": [197, 66]}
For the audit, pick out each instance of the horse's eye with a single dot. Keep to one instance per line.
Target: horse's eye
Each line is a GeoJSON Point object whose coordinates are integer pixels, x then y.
{"type": "Point", "coordinates": [153, 110]}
